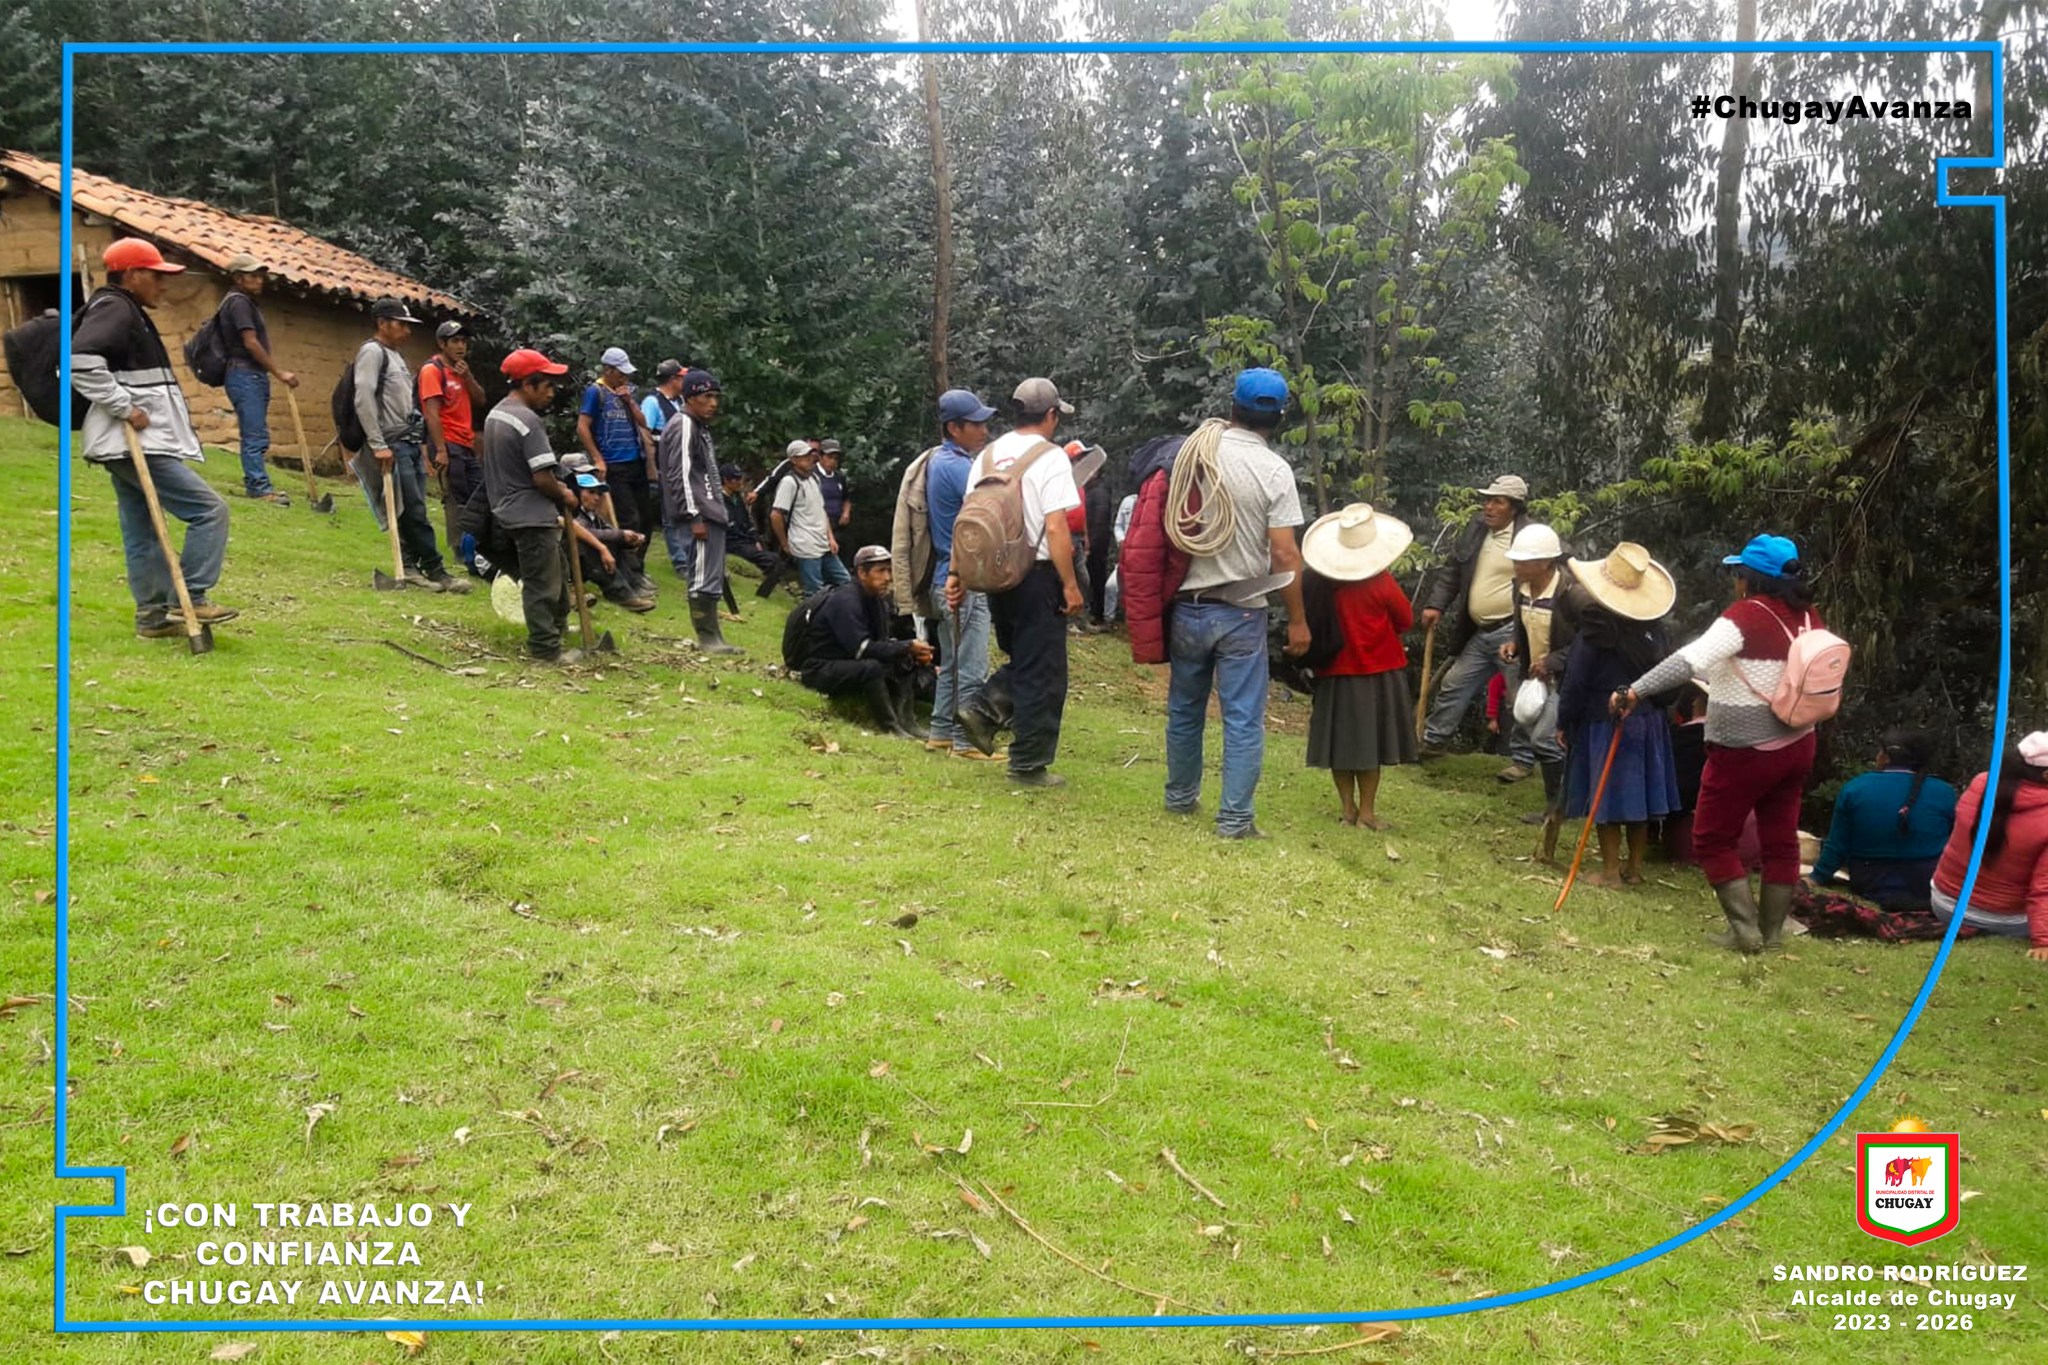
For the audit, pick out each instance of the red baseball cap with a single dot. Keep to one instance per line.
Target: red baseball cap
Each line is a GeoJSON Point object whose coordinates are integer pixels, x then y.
{"type": "Point", "coordinates": [134, 253]}
{"type": "Point", "coordinates": [526, 362]}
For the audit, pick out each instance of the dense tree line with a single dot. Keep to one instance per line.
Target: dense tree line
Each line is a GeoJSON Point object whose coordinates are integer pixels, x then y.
{"type": "Point", "coordinates": [1464, 264]}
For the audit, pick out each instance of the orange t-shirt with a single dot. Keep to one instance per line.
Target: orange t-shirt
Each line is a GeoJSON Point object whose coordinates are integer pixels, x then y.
{"type": "Point", "coordinates": [436, 382]}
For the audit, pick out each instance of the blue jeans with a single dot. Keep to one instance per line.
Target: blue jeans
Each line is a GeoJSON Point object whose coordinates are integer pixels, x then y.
{"type": "Point", "coordinates": [1214, 643]}
{"type": "Point", "coordinates": [186, 497]}
{"type": "Point", "coordinates": [682, 548]}
{"type": "Point", "coordinates": [814, 574]}
{"type": "Point", "coordinates": [417, 545]}
{"type": "Point", "coordinates": [1466, 683]}
{"type": "Point", "coordinates": [965, 670]}
{"type": "Point", "coordinates": [249, 391]}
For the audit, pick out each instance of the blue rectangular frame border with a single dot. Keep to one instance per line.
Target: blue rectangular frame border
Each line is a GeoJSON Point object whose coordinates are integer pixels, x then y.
{"type": "Point", "coordinates": [1993, 50]}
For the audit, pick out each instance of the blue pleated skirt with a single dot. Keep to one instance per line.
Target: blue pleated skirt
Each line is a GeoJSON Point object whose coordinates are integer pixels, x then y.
{"type": "Point", "coordinates": [1644, 783]}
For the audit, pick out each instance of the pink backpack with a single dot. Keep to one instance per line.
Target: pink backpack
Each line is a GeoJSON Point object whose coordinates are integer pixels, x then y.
{"type": "Point", "coordinates": [1816, 667]}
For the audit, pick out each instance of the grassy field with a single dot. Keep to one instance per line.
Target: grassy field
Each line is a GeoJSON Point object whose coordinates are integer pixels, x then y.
{"type": "Point", "coordinates": [622, 957]}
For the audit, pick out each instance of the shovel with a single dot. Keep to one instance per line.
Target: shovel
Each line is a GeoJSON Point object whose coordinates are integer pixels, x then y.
{"type": "Point", "coordinates": [315, 499]}
{"type": "Point", "coordinates": [604, 643]}
{"type": "Point", "coordinates": [395, 580]}
{"type": "Point", "coordinates": [198, 635]}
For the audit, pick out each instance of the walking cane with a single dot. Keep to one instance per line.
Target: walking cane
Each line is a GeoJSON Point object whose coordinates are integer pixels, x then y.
{"type": "Point", "coordinates": [396, 580]}
{"type": "Point", "coordinates": [315, 499]}
{"type": "Point", "coordinates": [198, 635]}
{"type": "Point", "coordinates": [1592, 814]}
{"type": "Point", "coordinates": [1428, 667]}
{"type": "Point", "coordinates": [604, 643]}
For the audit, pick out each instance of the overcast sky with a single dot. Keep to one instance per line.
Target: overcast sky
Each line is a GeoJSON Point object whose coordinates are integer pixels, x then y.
{"type": "Point", "coordinates": [1471, 20]}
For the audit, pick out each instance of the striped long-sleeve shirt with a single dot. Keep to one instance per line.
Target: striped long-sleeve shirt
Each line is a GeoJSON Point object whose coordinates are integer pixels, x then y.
{"type": "Point", "coordinates": [1742, 657]}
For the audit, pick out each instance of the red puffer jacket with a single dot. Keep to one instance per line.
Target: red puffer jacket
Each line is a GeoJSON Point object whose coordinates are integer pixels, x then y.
{"type": "Point", "coordinates": [1150, 567]}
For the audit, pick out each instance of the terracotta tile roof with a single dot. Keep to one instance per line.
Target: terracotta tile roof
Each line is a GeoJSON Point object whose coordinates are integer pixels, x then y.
{"type": "Point", "coordinates": [216, 236]}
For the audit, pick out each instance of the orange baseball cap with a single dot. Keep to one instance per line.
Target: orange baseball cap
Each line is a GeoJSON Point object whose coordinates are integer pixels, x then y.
{"type": "Point", "coordinates": [135, 253]}
{"type": "Point", "coordinates": [526, 362]}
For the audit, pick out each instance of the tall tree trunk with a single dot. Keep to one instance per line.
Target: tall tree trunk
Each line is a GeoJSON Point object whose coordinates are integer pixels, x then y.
{"type": "Point", "coordinates": [942, 234]}
{"type": "Point", "coordinates": [1717, 412]}
{"type": "Point", "coordinates": [1379, 418]}
{"type": "Point", "coordinates": [1996, 12]}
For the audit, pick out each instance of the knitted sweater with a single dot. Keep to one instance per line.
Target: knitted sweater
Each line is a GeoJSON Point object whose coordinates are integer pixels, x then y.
{"type": "Point", "coordinates": [1742, 657]}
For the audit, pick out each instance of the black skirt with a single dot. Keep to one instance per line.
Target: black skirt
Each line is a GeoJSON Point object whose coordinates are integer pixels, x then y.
{"type": "Point", "coordinates": [1361, 721]}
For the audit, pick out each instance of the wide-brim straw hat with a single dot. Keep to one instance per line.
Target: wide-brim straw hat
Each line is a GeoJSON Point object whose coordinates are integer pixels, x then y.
{"type": "Point", "coordinates": [1628, 582]}
{"type": "Point", "coordinates": [1354, 543]}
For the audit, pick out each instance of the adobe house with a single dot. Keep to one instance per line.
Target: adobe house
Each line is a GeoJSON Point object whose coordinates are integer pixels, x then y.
{"type": "Point", "coordinates": [317, 304]}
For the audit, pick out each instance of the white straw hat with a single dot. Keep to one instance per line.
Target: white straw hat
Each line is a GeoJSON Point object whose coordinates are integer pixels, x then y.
{"type": "Point", "coordinates": [1628, 582]}
{"type": "Point", "coordinates": [1355, 543]}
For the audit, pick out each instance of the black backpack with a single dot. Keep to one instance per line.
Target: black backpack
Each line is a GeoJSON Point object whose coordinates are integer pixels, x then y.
{"type": "Point", "coordinates": [796, 631]}
{"type": "Point", "coordinates": [34, 351]}
{"type": "Point", "coordinates": [206, 351]}
{"type": "Point", "coordinates": [764, 505]}
{"type": "Point", "coordinates": [348, 428]}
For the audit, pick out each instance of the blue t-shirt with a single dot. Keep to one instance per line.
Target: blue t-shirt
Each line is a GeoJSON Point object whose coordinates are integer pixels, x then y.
{"type": "Point", "coordinates": [611, 425]}
{"type": "Point", "coordinates": [945, 488]}
{"type": "Point", "coordinates": [650, 408]}
{"type": "Point", "coordinates": [1866, 822]}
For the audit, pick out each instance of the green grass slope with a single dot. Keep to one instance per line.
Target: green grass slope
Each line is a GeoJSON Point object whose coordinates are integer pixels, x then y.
{"type": "Point", "coordinates": [613, 956]}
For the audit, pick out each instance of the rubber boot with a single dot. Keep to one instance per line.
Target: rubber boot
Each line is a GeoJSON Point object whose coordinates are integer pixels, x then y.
{"type": "Point", "coordinates": [1774, 902]}
{"type": "Point", "coordinates": [903, 701]}
{"type": "Point", "coordinates": [881, 704]}
{"type": "Point", "coordinates": [704, 616]}
{"type": "Point", "coordinates": [1743, 934]}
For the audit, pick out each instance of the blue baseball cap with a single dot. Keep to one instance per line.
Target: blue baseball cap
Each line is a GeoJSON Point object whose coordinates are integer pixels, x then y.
{"type": "Point", "coordinates": [962, 405]}
{"type": "Point", "coordinates": [1260, 390]}
{"type": "Point", "coordinates": [1767, 555]}
{"type": "Point", "coordinates": [590, 481]}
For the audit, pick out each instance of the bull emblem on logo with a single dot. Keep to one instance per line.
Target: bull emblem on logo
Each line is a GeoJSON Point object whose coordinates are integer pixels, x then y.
{"type": "Point", "coordinates": [1895, 1170]}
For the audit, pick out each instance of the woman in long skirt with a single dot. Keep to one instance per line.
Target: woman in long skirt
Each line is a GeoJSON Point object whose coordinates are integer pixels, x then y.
{"type": "Point", "coordinates": [1362, 718]}
{"type": "Point", "coordinates": [1622, 605]}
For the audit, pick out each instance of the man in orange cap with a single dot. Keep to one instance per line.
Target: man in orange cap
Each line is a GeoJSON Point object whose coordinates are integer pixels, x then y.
{"type": "Point", "coordinates": [120, 366]}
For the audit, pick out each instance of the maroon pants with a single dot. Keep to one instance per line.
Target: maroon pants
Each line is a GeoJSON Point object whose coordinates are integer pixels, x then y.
{"type": "Point", "coordinates": [1737, 782]}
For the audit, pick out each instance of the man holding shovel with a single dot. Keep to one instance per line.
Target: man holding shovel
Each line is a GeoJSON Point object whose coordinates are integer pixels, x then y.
{"type": "Point", "coordinates": [120, 366]}
{"type": "Point", "coordinates": [529, 499]}
{"type": "Point", "coordinates": [391, 433]}
{"type": "Point", "coordinates": [251, 367]}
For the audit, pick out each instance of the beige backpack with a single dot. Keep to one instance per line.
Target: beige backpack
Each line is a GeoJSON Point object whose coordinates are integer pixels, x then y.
{"type": "Point", "coordinates": [992, 547]}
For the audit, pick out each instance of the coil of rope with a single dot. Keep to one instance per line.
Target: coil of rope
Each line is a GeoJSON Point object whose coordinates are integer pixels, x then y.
{"type": "Point", "coordinates": [1200, 517]}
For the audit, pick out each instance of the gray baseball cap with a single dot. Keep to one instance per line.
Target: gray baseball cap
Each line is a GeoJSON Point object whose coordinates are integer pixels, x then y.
{"type": "Point", "coordinates": [1507, 486]}
{"type": "Point", "coordinates": [1039, 395]}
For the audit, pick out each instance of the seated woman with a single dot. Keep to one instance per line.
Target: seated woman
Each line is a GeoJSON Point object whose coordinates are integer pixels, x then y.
{"type": "Point", "coordinates": [2011, 895]}
{"type": "Point", "coordinates": [1890, 825]}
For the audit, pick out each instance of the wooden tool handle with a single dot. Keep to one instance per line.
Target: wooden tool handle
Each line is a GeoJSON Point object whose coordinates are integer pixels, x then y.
{"type": "Point", "coordinates": [305, 450]}
{"type": "Point", "coordinates": [163, 531]}
{"type": "Point", "coordinates": [391, 523]}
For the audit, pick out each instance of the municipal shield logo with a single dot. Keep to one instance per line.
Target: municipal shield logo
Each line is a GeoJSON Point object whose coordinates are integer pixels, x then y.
{"type": "Point", "coordinates": [1907, 1185]}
